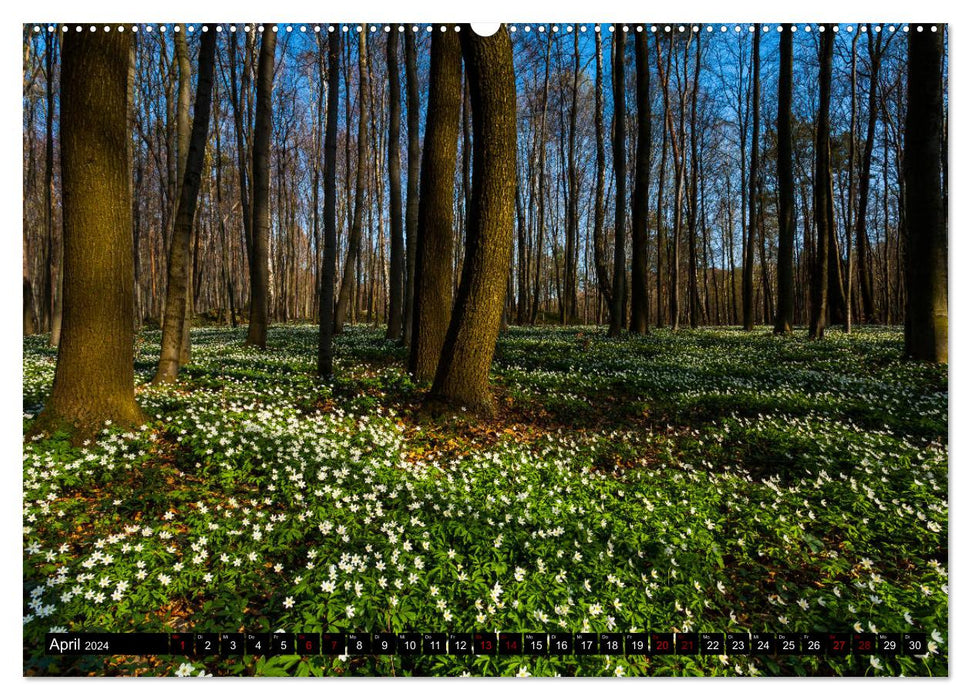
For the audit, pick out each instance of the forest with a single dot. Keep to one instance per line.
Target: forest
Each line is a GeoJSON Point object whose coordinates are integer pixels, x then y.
{"type": "Point", "coordinates": [343, 328]}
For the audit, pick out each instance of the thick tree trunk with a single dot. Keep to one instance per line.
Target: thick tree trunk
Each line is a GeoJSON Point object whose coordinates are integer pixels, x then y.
{"type": "Point", "coordinates": [262, 132]}
{"type": "Point", "coordinates": [177, 298]}
{"type": "Point", "coordinates": [325, 345]}
{"type": "Point", "coordinates": [748, 276]}
{"type": "Point", "coordinates": [619, 295]}
{"type": "Point", "coordinates": [414, 170]}
{"type": "Point", "coordinates": [787, 220]}
{"type": "Point", "coordinates": [822, 193]}
{"type": "Point", "coordinates": [396, 281]}
{"type": "Point", "coordinates": [433, 253]}
{"type": "Point", "coordinates": [639, 297]}
{"type": "Point", "coordinates": [352, 261]}
{"type": "Point", "coordinates": [94, 379]}
{"type": "Point", "coordinates": [925, 232]}
{"type": "Point", "coordinates": [462, 376]}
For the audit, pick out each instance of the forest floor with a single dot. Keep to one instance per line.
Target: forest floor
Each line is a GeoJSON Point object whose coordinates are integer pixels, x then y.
{"type": "Point", "coordinates": [708, 480]}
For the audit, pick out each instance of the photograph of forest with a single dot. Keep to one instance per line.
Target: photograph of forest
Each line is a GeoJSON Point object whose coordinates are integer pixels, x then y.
{"type": "Point", "coordinates": [421, 350]}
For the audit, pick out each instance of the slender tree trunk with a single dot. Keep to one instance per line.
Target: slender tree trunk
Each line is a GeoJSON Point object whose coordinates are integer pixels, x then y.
{"type": "Point", "coordinates": [573, 197]}
{"type": "Point", "coordinates": [925, 233]}
{"type": "Point", "coordinates": [177, 298]}
{"type": "Point", "coordinates": [748, 276]}
{"type": "Point", "coordinates": [95, 379]}
{"type": "Point", "coordinates": [599, 254]}
{"type": "Point", "coordinates": [787, 220]}
{"type": "Point", "coordinates": [352, 261]}
{"type": "Point", "coordinates": [822, 193]}
{"type": "Point", "coordinates": [262, 132]}
{"type": "Point", "coordinates": [414, 169]}
{"type": "Point", "coordinates": [325, 345]}
{"type": "Point", "coordinates": [227, 268]}
{"type": "Point", "coordinates": [875, 49]}
{"type": "Point", "coordinates": [662, 243]}
{"type": "Point", "coordinates": [694, 302]}
{"type": "Point", "coordinates": [620, 172]}
{"type": "Point", "coordinates": [640, 293]}
{"type": "Point", "coordinates": [182, 136]}
{"type": "Point", "coordinates": [396, 281]}
{"type": "Point", "coordinates": [433, 273]}
{"type": "Point", "coordinates": [462, 375]}
{"type": "Point", "coordinates": [55, 263]}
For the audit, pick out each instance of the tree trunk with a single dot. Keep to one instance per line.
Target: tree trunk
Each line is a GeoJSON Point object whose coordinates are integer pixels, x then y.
{"type": "Point", "coordinates": [599, 254]}
{"type": "Point", "coordinates": [620, 173]}
{"type": "Point", "coordinates": [433, 253]}
{"type": "Point", "coordinates": [639, 297]}
{"type": "Point", "coordinates": [926, 234]}
{"type": "Point", "coordinates": [414, 169]}
{"type": "Point", "coordinates": [396, 281]}
{"type": "Point", "coordinates": [352, 260]}
{"type": "Point", "coordinates": [262, 132]}
{"type": "Point", "coordinates": [462, 376]}
{"type": "Point", "coordinates": [573, 201]}
{"type": "Point", "coordinates": [325, 345]}
{"type": "Point", "coordinates": [787, 220]}
{"type": "Point", "coordinates": [748, 276]}
{"type": "Point", "coordinates": [822, 192]}
{"type": "Point", "coordinates": [177, 299]}
{"type": "Point", "coordinates": [183, 137]}
{"type": "Point", "coordinates": [95, 380]}
{"type": "Point", "coordinates": [694, 302]}
{"type": "Point", "coordinates": [875, 49]}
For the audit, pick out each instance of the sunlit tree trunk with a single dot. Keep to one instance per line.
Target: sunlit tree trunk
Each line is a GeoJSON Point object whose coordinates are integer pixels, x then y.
{"type": "Point", "coordinates": [619, 295]}
{"type": "Point", "coordinates": [262, 132]}
{"type": "Point", "coordinates": [462, 375]}
{"type": "Point", "coordinates": [352, 260]}
{"type": "Point", "coordinates": [414, 170]}
{"type": "Point", "coordinates": [94, 379]}
{"type": "Point", "coordinates": [177, 297]}
{"type": "Point", "coordinates": [396, 274]}
{"type": "Point", "coordinates": [433, 253]}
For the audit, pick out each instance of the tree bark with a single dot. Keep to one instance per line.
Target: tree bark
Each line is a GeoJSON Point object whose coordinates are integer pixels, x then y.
{"type": "Point", "coordinates": [822, 192]}
{"type": "Point", "coordinates": [352, 260]}
{"type": "Point", "coordinates": [787, 220]}
{"type": "Point", "coordinates": [619, 294]}
{"type": "Point", "coordinates": [262, 132]}
{"type": "Point", "coordinates": [875, 48]}
{"type": "Point", "coordinates": [94, 379]}
{"type": "Point", "coordinates": [639, 297]}
{"type": "Point", "coordinates": [183, 137]}
{"type": "Point", "coordinates": [414, 170]}
{"type": "Point", "coordinates": [599, 254]}
{"type": "Point", "coordinates": [433, 252]}
{"type": "Point", "coordinates": [177, 299]}
{"type": "Point", "coordinates": [325, 345]}
{"type": "Point", "coordinates": [462, 376]}
{"type": "Point", "coordinates": [396, 276]}
{"type": "Point", "coordinates": [748, 275]}
{"type": "Point", "coordinates": [926, 233]}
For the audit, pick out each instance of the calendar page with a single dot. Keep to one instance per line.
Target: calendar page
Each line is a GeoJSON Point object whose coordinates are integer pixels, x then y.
{"type": "Point", "coordinates": [512, 349]}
